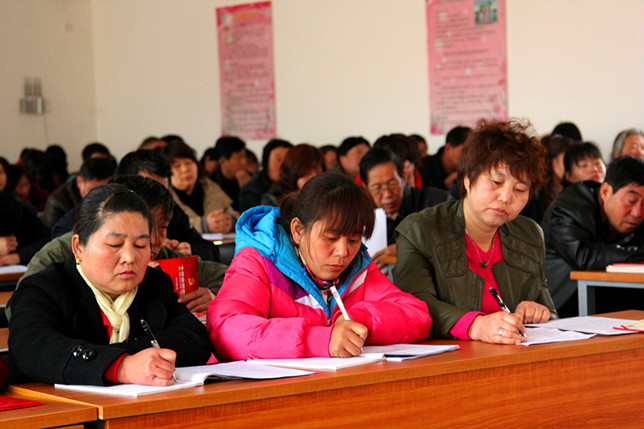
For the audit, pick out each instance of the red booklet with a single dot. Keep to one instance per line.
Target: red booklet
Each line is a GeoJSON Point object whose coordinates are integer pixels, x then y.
{"type": "Point", "coordinates": [183, 272]}
{"type": "Point", "coordinates": [10, 403]}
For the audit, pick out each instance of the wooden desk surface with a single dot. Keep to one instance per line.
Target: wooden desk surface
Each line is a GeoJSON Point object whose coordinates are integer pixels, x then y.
{"type": "Point", "coordinates": [388, 260]}
{"type": "Point", "coordinates": [602, 275]}
{"type": "Point", "coordinates": [10, 277]}
{"type": "Point", "coordinates": [4, 339]}
{"type": "Point", "coordinates": [4, 297]}
{"type": "Point", "coordinates": [51, 413]}
{"type": "Point", "coordinates": [588, 383]}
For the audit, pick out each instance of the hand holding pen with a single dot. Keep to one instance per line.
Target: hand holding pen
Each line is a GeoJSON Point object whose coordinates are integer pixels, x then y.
{"type": "Point", "coordinates": [505, 308]}
{"type": "Point", "coordinates": [347, 336]}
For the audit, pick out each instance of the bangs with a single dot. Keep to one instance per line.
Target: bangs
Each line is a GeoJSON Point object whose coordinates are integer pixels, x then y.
{"type": "Point", "coordinates": [347, 213]}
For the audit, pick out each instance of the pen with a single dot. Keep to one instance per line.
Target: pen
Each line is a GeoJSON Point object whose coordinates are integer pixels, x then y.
{"type": "Point", "coordinates": [499, 301]}
{"type": "Point", "coordinates": [153, 339]}
{"type": "Point", "coordinates": [338, 300]}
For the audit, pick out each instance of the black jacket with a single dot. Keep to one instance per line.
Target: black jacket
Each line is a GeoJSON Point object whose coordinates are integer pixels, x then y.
{"type": "Point", "coordinates": [250, 195]}
{"type": "Point", "coordinates": [60, 202]}
{"type": "Point", "coordinates": [578, 237]}
{"type": "Point", "coordinates": [55, 314]}
{"type": "Point", "coordinates": [414, 200]}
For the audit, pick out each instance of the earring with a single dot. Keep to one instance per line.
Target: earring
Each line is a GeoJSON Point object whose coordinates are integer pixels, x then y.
{"type": "Point", "coordinates": [77, 261]}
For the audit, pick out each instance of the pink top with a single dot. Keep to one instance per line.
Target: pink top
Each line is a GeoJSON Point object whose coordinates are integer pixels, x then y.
{"type": "Point", "coordinates": [488, 304]}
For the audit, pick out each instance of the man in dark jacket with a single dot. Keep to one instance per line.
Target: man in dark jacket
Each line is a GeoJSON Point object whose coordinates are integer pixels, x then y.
{"type": "Point", "coordinates": [591, 225]}
{"type": "Point", "coordinates": [94, 172]}
{"type": "Point", "coordinates": [381, 171]}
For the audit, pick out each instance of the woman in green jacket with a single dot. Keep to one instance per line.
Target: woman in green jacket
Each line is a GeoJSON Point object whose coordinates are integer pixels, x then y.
{"type": "Point", "coordinates": [456, 256]}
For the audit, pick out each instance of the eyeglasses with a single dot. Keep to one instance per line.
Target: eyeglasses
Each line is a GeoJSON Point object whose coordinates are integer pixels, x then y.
{"type": "Point", "coordinates": [390, 186]}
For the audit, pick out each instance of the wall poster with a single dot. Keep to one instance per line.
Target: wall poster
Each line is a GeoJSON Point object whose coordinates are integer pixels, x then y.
{"type": "Point", "coordinates": [247, 83]}
{"type": "Point", "coordinates": [467, 62]}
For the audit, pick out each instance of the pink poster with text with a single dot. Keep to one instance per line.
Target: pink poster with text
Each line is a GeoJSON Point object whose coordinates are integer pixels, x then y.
{"type": "Point", "coordinates": [247, 84]}
{"type": "Point", "coordinates": [467, 62]}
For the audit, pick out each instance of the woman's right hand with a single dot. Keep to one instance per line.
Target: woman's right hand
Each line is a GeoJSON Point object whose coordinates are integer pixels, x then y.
{"type": "Point", "coordinates": [152, 367]}
{"type": "Point", "coordinates": [499, 328]}
{"type": "Point", "coordinates": [347, 338]}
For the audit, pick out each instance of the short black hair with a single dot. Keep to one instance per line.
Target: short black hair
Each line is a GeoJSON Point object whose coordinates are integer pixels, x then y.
{"type": "Point", "coordinates": [349, 143]}
{"type": "Point", "coordinates": [624, 171]}
{"type": "Point", "coordinates": [226, 146]}
{"type": "Point", "coordinates": [578, 152]}
{"type": "Point", "coordinates": [94, 147]}
{"type": "Point", "coordinates": [103, 201]}
{"type": "Point", "coordinates": [10, 214]}
{"type": "Point", "coordinates": [404, 146]}
{"type": "Point", "coordinates": [97, 168]}
{"type": "Point", "coordinates": [568, 129]}
{"type": "Point", "coordinates": [457, 135]}
{"type": "Point", "coordinates": [146, 160]}
{"type": "Point", "coordinates": [152, 192]}
{"type": "Point", "coordinates": [377, 156]}
{"type": "Point", "coordinates": [269, 147]}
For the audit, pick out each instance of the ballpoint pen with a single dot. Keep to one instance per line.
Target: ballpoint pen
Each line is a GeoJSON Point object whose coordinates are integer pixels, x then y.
{"type": "Point", "coordinates": [504, 307]}
{"type": "Point", "coordinates": [153, 339]}
{"type": "Point", "coordinates": [338, 299]}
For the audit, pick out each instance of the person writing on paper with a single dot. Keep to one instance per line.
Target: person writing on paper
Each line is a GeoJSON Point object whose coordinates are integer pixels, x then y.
{"type": "Point", "coordinates": [451, 255]}
{"type": "Point", "coordinates": [78, 322]}
{"type": "Point", "coordinates": [276, 302]}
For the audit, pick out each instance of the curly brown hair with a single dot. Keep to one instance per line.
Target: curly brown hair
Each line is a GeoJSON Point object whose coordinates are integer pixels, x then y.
{"type": "Point", "coordinates": [493, 143]}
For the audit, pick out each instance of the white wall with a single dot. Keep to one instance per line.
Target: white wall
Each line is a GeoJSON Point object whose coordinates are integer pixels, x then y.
{"type": "Point", "coordinates": [343, 67]}
{"type": "Point", "coordinates": [51, 39]}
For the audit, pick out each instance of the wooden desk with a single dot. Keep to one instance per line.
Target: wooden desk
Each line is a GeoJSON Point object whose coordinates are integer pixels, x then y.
{"type": "Point", "coordinates": [8, 281]}
{"type": "Point", "coordinates": [588, 280]}
{"type": "Point", "coordinates": [52, 413]}
{"type": "Point", "coordinates": [388, 260]}
{"type": "Point", "coordinates": [4, 297]}
{"type": "Point", "coordinates": [597, 382]}
{"type": "Point", "coordinates": [4, 340]}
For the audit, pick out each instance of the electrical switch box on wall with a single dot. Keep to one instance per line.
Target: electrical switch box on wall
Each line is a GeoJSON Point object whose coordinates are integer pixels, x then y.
{"type": "Point", "coordinates": [33, 101]}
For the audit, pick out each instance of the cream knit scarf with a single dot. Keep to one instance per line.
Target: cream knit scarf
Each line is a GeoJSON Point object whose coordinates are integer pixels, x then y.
{"type": "Point", "coordinates": [115, 310]}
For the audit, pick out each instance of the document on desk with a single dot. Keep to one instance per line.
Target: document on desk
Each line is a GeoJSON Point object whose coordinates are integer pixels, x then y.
{"type": "Point", "coordinates": [587, 324]}
{"type": "Point", "coordinates": [192, 376]}
{"type": "Point", "coordinates": [550, 335]}
{"type": "Point", "coordinates": [318, 363]}
{"type": "Point", "coordinates": [400, 352]}
{"type": "Point", "coordinates": [11, 269]}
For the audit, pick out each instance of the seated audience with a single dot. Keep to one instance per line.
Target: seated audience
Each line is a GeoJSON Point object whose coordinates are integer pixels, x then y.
{"type": "Point", "coordinates": [301, 162]}
{"type": "Point", "coordinates": [22, 234]}
{"type": "Point", "coordinates": [350, 152]}
{"type": "Point", "coordinates": [591, 225]}
{"type": "Point", "coordinates": [19, 185]}
{"type": "Point", "coordinates": [93, 173]}
{"type": "Point", "coordinates": [583, 161]}
{"type": "Point", "coordinates": [38, 169]}
{"type": "Point", "coordinates": [567, 129]}
{"type": "Point", "coordinates": [381, 171]}
{"type": "Point", "coordinates": [407, 150]}
{"type": "Point", "coordinates": [151, 143]}
{"type": "Point", "coordinates": [250, 195]}
{"type": "Point", "coordinates": [452, 255]}
{"type": "Point", "coordinates": [231, 172]}
{"type": "Point", "coordinates": [95, 150]}
{"type": "Point", "coordinates": [208, 161]}
{"type": "Point", "coordinates": [421, 143]}
{"type": "Point", "coordinates": [161, 204]}
{"type": "Point", "coordinates": [628, 142]}
{"type": "Point", "coordinates": [275, 301]}
{"type": "Point", "coordinates": [252, 164]}
{"type": "Point", "coordinates": [439, 170]}
{"type": "Point", "coordinates": [77, 322]}
{"type": "Point", "coordinates": [3, 173]}
{"type": "Point", "coordinates": [330, 155]}
{"type": "Point", "coordinates": [206, 204]}
{"type": "Point", "coordinates": [181, 236]}
{"type": "Point", "coordinates": [57, 160]}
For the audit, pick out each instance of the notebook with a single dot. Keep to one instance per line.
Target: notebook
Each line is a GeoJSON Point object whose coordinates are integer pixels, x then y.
{"type": "Point", "coordinates": [400, 352]}
{"type": "Point", "coordinates": [192, 376]}
{"type": "Point", "coordinates": [636, 267]}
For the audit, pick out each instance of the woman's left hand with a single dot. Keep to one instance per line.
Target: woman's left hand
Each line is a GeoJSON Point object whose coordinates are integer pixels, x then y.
{"type": "Point", "coordinates": [197, 301]}
{"type": "Point", "coordinates": [532, 312]}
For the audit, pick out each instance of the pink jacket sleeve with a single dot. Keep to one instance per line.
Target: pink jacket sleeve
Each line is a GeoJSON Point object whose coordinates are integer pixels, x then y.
{"type": "Point", "coordinates": [392, 316]}
{"type": "Point", "coordinates": [238, 318]}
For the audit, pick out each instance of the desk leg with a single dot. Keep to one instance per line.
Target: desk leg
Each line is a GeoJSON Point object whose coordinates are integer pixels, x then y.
{"type": "Point", "coordinates": [582, 296]}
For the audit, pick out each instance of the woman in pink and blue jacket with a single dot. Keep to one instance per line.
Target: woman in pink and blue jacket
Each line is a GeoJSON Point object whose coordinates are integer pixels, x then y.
{"type": "Point", "coordinates": [275, 301]}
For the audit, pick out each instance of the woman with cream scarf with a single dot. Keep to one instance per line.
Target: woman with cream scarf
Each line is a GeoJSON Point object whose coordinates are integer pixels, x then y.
{"type": "Point", "coordinates": [79, 322]}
